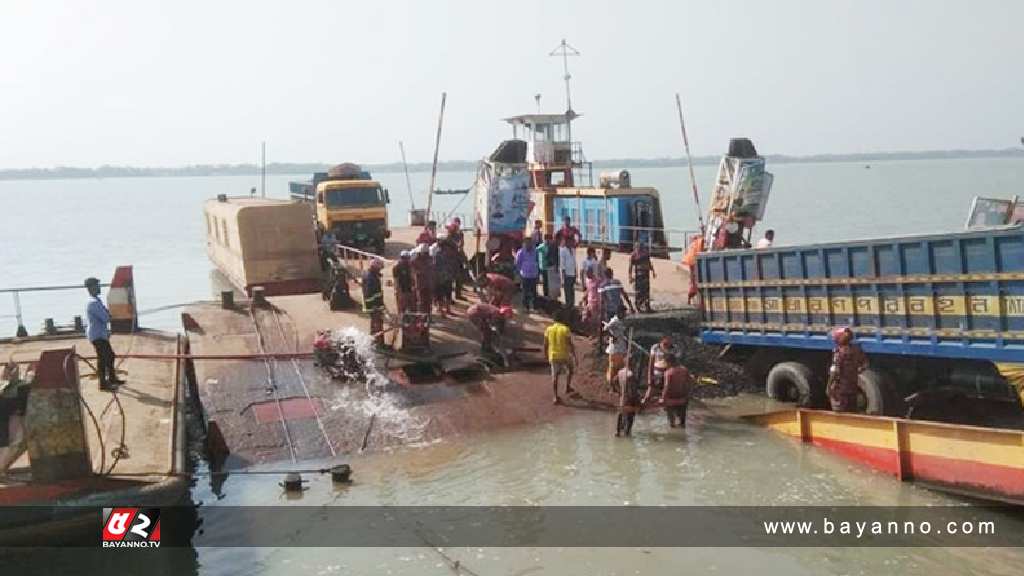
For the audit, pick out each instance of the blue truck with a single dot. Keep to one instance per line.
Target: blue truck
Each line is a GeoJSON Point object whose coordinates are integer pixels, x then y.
{"type": "Point", "coordinates": [941, 311]}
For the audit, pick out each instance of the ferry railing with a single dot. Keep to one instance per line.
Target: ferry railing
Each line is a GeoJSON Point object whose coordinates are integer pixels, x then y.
{"type": "Point", "coordinates": [355, 261]}
{"type": "Point", "coordinates": [19, 314]}
{"type": "Point", "coordinates": [676, 239]}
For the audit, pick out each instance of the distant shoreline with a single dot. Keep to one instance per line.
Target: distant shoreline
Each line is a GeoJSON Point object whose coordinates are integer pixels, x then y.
{"type": "Point", "coordinates": [64, 172]}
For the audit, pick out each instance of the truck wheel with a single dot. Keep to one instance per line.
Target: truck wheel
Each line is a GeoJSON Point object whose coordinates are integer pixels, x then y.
{"type": "Point", "coordinates": [874, 393]}
{"type": "Point", "coordinates": [790, 382]}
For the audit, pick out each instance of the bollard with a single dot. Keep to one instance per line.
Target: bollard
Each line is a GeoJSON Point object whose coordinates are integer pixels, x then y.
{"type": "Point", "coordinates": [54, 426]}
{"type": "Point", "coordinates": [259, 297]}
{"type": "Point", "coordinates": [227, 299]}
{"type": "Point", "coordinates": [342, 474]}
{"type": "Point", "coordinates": [292, 482]}
{"type": "Point", "coordinates": [121, 302]}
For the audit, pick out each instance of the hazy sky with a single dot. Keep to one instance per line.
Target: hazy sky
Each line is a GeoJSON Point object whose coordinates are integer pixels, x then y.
{"type": "Point", "coordinates": [140, 82]}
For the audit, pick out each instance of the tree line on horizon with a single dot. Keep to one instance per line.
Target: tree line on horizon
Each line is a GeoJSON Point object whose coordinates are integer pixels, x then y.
{"type": "Point", "coordinates": [109, 171]}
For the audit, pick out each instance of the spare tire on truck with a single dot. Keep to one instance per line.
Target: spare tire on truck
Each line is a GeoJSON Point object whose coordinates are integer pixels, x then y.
{"type": "Point", "coordinates": [791, 382]}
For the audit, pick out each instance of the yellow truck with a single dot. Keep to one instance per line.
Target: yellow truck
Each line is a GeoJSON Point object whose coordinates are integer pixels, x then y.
{"type": "Point", "coordinates": [349, 204]}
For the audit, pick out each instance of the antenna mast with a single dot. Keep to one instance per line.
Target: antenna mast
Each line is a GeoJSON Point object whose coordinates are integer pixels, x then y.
{"type": "Point", "coordinates": [565, 50]}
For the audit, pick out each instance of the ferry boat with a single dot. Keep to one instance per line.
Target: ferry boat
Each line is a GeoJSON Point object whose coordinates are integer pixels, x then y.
{"type": "Point", "coordinates": [541, 174]}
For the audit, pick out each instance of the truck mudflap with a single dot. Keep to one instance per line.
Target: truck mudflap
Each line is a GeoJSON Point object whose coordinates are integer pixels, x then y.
{"type": "Point", "coordinates": [980, 462]}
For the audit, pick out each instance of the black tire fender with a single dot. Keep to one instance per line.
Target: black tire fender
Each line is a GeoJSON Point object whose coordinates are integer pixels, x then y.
{"type": "Point", "coordinates": [786, 376]}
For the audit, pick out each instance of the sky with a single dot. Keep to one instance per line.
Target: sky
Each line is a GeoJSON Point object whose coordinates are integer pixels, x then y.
{"type": "Point", "coordinates": [148, 83]}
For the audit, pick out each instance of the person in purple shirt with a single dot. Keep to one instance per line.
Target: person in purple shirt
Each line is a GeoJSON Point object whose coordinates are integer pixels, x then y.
{"type": "Point", "coordinates": [529, 271]}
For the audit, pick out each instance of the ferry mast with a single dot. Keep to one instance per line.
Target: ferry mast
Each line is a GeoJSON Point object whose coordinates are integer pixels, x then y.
{"type": "Point", "coordinates": [565, 50]}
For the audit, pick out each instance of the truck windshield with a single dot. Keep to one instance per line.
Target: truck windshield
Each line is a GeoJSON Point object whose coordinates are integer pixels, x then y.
{"type": "Point", "coordinates": [341, 198]}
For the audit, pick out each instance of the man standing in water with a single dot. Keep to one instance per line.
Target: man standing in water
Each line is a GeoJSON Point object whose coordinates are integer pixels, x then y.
{"type": "Point", "coordinates": [657, 365]}
{"type": "Point", "coordinates": [675, 395]}
{"type": "Point", "coordinates": [560, 352]}
{"type": "Point", "coordinates": [629, 401]}
{"type": "Point", "coordinates": [848, 361]}
{"type": "Point", "coordinates": [98, 331]}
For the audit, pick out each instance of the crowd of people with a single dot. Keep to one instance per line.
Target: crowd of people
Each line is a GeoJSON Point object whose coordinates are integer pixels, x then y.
{"type": "Point", "coordinates": [544, 269]}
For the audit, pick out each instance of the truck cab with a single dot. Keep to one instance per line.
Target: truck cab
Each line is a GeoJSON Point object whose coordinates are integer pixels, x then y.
{"type": "Point", "coordinates": [353, 206]}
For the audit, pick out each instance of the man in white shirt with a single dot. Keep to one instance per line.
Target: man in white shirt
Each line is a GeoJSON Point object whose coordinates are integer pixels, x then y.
{"type": "Point", "coordinates": [767, 241]}
{"type": "Point", "coordinates": [567, 264]}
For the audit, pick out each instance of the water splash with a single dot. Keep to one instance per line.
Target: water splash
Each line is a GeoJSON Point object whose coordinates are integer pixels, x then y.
{"type": "Point", "coordinates": [393, 420]}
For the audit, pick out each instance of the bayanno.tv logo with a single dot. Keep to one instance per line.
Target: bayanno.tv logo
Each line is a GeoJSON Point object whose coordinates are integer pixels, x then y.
{"type": "Point", "coordinates": [131, 527]}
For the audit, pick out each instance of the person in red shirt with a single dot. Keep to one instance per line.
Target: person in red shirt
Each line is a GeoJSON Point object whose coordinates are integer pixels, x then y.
{"type": "Point", "coordinates": [675, 395]}
{"type": "Point", "coordinates": [568, 235]}
{"type": "Point", "coordinates": [499, 288]}
{"type": "Point", "coordinates": [490, 321]}
{"type": "Point", "coordinates": [429, 234]}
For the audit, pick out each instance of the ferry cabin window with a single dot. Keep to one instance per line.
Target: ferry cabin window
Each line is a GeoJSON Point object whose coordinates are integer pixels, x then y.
{"type": "Point", "coordinates": [224, 229]}
{"type": "Point", "coordinates": [560, 133]}
{"type": "Point", "coordinates": [345, 197]}
{"type": "Point", "coordinates": [209, 229]}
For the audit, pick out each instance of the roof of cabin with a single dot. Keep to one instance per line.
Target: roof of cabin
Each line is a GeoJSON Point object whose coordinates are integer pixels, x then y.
{"type": "Point", "coordinates": [535, 119]}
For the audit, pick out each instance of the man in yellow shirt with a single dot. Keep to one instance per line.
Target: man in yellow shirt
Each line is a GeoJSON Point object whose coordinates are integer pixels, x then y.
{"type": "Point", "coordinates": [560, 352]}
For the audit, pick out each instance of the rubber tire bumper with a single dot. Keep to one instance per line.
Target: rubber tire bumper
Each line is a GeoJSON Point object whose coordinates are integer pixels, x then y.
{"type": "Point", "coordinates": [875, 388]}
{"type": "Point", "coordinates": [786, 374]}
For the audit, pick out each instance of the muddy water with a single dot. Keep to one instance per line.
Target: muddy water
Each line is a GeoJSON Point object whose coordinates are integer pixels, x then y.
{"type": "Point", "coordinates": [577, 461]}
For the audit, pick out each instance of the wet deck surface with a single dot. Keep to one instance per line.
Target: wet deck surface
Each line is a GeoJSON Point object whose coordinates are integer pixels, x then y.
{"type": "Point", "coordinates": [150, 410]}
{"type": "Point", "coordinates": [282, 409]}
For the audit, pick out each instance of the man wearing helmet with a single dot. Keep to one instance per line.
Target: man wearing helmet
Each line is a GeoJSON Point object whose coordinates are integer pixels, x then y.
{"type": "Point", "coordinates": [423, 278]}
{"type": "Point", "coordinates": [403, 282]}
{"type": "Point", "coordinates": [373, 299]}
{"type": "Point", "coordinates": [848, 361]}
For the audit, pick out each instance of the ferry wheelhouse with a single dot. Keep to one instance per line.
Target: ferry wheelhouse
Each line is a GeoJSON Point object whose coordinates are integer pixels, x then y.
{"type": "Point", "coordinates": [612, 214]}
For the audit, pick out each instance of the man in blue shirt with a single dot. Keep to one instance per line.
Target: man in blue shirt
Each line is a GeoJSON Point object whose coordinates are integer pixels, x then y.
{"type": "Point", "coordinates": [528, 266]}
{"type": "Point", "coordinates": [98, 331]}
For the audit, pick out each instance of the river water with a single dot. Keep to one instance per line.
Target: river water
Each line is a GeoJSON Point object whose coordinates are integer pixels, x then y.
{"type": "Point", "coordinates": [58, 232]}
{"type": "Point", "coordinates": [577, 461]}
